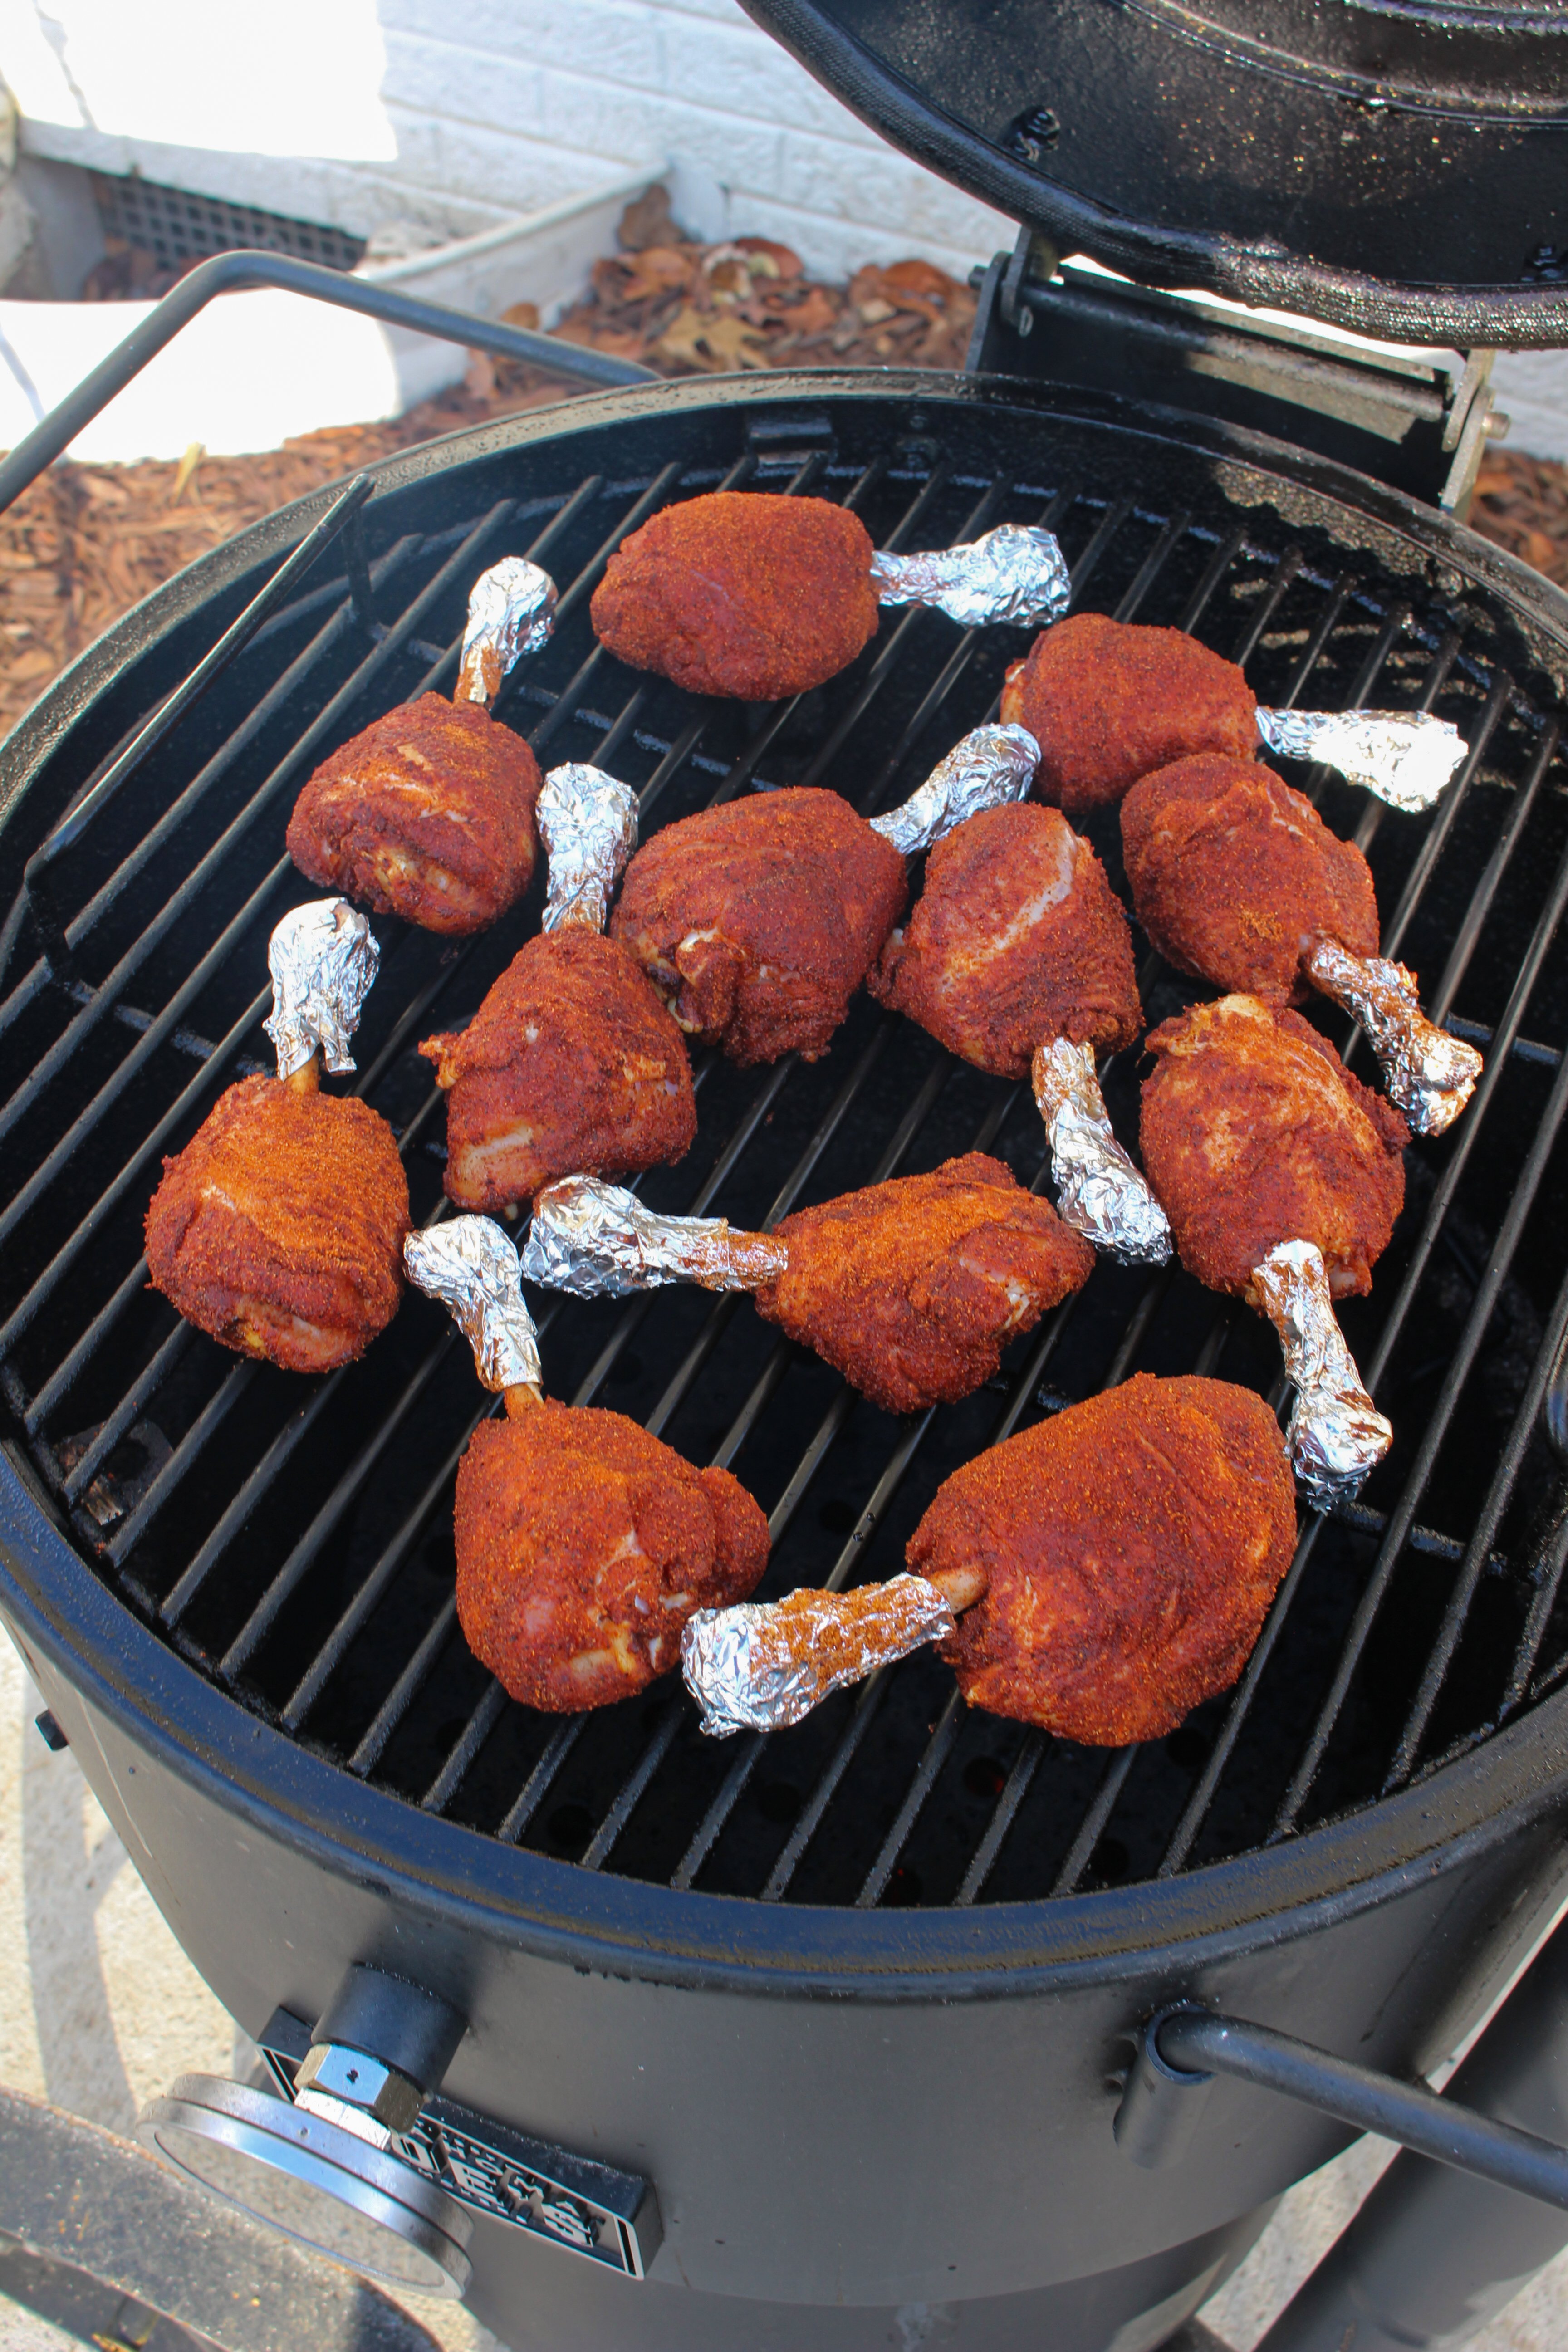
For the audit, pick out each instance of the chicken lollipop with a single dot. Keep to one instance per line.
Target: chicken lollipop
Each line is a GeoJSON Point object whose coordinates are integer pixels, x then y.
{"type": "Point", "coordinates": [1019, 958]}
{"type": "Point", "coordinates": [1281, 1176]}
{"type": "Point", "coordinates": [1237, 877]}
{"type": "Point", "coordinates": [278, 1229]}
{"type": "Point", "coordinates": [911, 1289]}
{"type": "Point", "coordinates": [1099, 1576]}
{"type": "Point", "coordinates": [572, 1062]}
{"type": "Point", "coordinates": [1112, 701]}
{"type": "Point", "coordinates": [582, 1544]}
{"type": "Point", "coordinates": [427, 812]}
{"type": "Point", "coordinates": [757, 595]}
{"type": "Point", "coordinates": [758, 921]}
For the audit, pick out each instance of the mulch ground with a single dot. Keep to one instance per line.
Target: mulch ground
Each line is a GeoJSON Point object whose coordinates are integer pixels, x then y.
{"type": "Point", "coordinates": [88, 542]}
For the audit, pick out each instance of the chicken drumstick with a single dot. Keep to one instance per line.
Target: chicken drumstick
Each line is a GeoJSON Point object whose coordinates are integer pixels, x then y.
{"type": "Point", "coordinates": [1109, 701]}
{"type": "Point", "coordinates": [1099, 1576]}
{"type": "Point", "coordinates": [571, 1061]}
{"type": "Point", "coordinates": [757, 595]}
{"type": "Point", "coordinates": [1237, 877]}
{"type": "Point", "coordinates": [1281, 1176]}
{"type": "Point", "coordinates": [911, 1288]}
{"type": "Point", "coordinates": [758, 921]}
{"type": "Point", "coordinates": [278, 1229]}
{"type": "Point", "coordinates": [1018, 944]}
{"type": "Point", "coordinates": [427, 812]}
{"type": "Point", "coordinates": [582, 1543]}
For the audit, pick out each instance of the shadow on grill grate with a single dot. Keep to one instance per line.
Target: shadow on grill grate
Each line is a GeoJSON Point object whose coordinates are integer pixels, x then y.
{"type": "Point", "coordinates": [293, 1538]}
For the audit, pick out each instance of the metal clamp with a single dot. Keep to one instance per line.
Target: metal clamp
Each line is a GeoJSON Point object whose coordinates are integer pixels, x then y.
{"type": "Point", "coordinates": [1181, 2049]}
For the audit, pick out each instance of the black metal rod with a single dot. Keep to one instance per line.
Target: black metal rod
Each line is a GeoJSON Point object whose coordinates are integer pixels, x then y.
{"type": "Point", "coordinates": [228, 273]}
{"type": "Point", "coordinates": [1440, 1655]}
{"type": "Point", "coordinates": [1196, 2042]}
{"type": "Point", "coordinates": [1500, 1260]}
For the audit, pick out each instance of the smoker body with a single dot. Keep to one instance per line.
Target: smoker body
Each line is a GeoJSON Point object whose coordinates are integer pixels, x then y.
{"type": "Point", "coordinates": [848, 2113]}
{"type": "Point", "coordinates": [847, 2109]}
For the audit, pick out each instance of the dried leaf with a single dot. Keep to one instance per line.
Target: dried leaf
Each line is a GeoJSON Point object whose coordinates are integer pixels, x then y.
{"type": "Point", "coordinates": [712, 344]}
{"type": "Point", "coordinates": [647, 221]}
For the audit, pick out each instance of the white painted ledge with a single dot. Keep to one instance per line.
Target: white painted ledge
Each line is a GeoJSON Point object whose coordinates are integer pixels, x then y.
{"type": "Point", "coordinates": [256, 368]}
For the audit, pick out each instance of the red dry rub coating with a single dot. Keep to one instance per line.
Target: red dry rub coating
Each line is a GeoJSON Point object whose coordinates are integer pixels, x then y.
{"type": "Point", "coordinates": [1017, 938]}
{"type": "Point", "coordinates": [758, 921]}
{"type": "Point", "coordinates": [571, 1066]}
{"type": "Point", "coordinates": [1236, 878]}
{"type": "Point", "coordinates": [427, 812]}
{"type": "Point", "coordinates": [741, 592]}
{"type": "Point", "coordinates": [1109, 702]}
{"type": "Point", "coordinates": [1130, 1546]}
{"type": "Point", "coordinates": [912, 1288]}
{"type": "Point", "coordinates": [279, 1230]}
{"type": "Point", "coordinates": [1255, 1133]}
{"type": "Point", "coordinates": [584, 1545]}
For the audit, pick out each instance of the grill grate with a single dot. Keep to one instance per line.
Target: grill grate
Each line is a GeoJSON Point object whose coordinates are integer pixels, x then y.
{"type": "Point", "coordinates": [292, 1539]}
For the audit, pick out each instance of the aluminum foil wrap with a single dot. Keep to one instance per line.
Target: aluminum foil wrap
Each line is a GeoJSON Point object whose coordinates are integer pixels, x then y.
{"type": "Point", "coordinates": [1429, 1076]}
{"type": "Point", "coordinates": [1016, 573]}
{"type": "Point", "coordinates": [765, 1664]}
{"type": "Point", "coordinates": [323, 958]}
{"type": "Point", "coordinates": [1337, 1433]}
{"type": "Point", "coordinates": [1099, 1191]}
{"type": "Point", "coordinates": [589, 823]}
{"type": "Point", "coordinates": [512, 612]}
{"type": "Point", "coordinates": [1405, 757]}
{"type": "Point", "coordinates": [992, 764]}
{"type": "Point", "coordinates": [470, 1267]}
{"type": "Point", "coordinates": [598, 1241]}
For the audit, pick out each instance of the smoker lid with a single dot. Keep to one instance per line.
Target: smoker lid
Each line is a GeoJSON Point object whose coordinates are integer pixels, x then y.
{"type": "Point", "coordinates": [1399, 167]}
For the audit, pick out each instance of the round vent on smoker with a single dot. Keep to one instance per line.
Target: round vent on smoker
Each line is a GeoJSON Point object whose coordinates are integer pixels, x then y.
{"type": "Point", "coordinates": [318, 2183]}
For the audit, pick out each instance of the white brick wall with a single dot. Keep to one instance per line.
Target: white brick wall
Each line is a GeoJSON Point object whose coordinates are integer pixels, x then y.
{"type": "Point", "coordinates": [464, 113]}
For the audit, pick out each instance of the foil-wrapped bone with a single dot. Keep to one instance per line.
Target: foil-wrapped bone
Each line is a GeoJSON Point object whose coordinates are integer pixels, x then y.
{"type": "Point", "coordinates": [470, 1267]}
{"type": "Point", "coordinates": [588, 823]}
{"type": "Point", "coordinates": [1430, 1076]}
{"type": "Point", "coordinates": [1404, 757]}
{"type": "Point", "coordinates": [512, 612]}
{"type": "Point", "coordinates": [1337, 1433]}
{"type": "Point", "coordinates": [598, 1241]}
{"type": "Point", "coordinates": [323, 958]}
{"type": "Point", "coordinates": [1016, 573]}
{"type": "Point", "coordinates": [765, 1664]}
{"type": "Point", "coordinates": [991, 765]}
{"type": "Point", "coordinates": [1099, 1191]}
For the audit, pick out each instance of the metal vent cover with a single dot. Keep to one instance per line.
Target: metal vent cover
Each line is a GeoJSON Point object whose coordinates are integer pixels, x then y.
{"type": "Point", "coordinates": [291, 1539]}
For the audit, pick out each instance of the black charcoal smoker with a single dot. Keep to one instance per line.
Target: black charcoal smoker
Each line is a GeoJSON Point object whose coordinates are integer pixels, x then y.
{"type": "Point", "coordinates": [906, 2025]}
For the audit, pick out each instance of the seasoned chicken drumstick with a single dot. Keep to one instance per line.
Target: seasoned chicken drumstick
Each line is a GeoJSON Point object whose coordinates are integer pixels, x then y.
{"type": "Point", "coordinates": [757, 595]}
{"type": "Point", "coordinates": [1099, 1576]}
{"type": "Point", "coordinates": [278, 1229]}
{"type": "Point", "coordinates": [1109, 701]}
{"type": "Point", "coordinates": [911, 1288]}
{"type": "Point", "coordinates": [572, 1062]}
{"type": "Point", "coordinates": [1019, 958]}
{"type": "Point", "coordinates": [427, 812]}
{"type": "Point", "coordinates": [1237, 877]}
{"type": "Point", "coordinates": [1281, 1176]}
{"type": "Point", "coordinates": [758, 921]}
{"type": "Point", "coordinates": [582, 1544]}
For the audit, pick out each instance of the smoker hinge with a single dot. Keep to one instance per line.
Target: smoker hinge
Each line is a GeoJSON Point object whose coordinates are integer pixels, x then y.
{"type": "Point", "coordinates": [1405, 417]}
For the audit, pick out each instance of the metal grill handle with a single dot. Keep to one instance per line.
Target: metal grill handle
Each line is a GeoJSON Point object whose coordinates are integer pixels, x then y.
{"type": "Point", "coordinates": [228, 273]}
{"type": "Point", "coordinates": [1182, 2048]}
